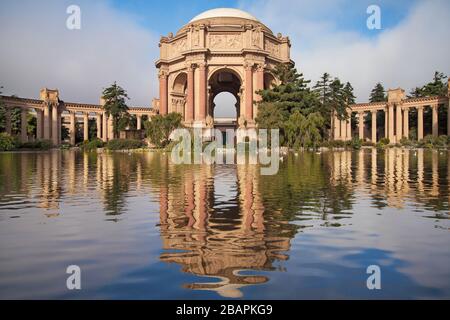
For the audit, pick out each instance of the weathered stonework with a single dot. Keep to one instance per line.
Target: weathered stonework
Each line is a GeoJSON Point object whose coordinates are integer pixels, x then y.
{"type": "Point", "coordinates": [216, 52]}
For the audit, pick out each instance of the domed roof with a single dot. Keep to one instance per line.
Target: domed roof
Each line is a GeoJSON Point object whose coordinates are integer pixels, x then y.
{"type": "Point", "coordinates": [224, 13]}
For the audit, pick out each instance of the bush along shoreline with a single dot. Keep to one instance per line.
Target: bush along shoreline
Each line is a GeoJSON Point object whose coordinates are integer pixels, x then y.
{"type": "Point", "coordinates": [11, 143]}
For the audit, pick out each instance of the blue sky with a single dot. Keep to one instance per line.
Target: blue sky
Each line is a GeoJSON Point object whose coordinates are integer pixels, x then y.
{"type": "Point", "coordinates": [165, 16]}
{"type": "Point", "coordinates": [119, 42]}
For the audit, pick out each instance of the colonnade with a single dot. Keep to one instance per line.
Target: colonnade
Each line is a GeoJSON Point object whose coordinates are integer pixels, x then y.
{"type": "Point", "coordinates": [396, 120]}
{"type": "Point", "coordinates": [52, 114]}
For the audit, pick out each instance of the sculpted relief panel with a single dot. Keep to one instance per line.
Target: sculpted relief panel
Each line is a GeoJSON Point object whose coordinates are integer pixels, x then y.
{"type": "Point", "coordinates": [225, 41]}
{"type": "Point", "coordinates": [272, 47]}
{"type": "Point", "coordinates": [177, 47]}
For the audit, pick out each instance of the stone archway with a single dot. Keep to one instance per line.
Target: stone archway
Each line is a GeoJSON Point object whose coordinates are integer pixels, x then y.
{"type": "Point", "coordinates": [179, 93]}
{"type": "Point", "coordinates": [225, 80]}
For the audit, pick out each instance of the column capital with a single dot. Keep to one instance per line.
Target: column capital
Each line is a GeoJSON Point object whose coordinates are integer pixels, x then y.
{"type": "Point", "coordinates": [202, 65]}
{"type": "Point", "coordinates": [260, 67]}
{"type": "Point", "coordinates": [163, 74]}
{"type": "Point", "coordinates": [248, 65]}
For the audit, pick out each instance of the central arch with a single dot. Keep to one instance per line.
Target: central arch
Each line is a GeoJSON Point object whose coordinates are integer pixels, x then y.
{"type": "Point", "coordinates": [230, 81]}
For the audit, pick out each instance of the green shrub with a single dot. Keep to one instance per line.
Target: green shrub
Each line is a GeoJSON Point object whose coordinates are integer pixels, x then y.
{"type": "Point", "coordinates": [38, 145]}
{"type": "Point", "coordinates": [124, 144]}
{"type": "Point", "coordinates": [406, 142]}
{"type": "Point", "coordinates": [7, 142]}
{"type": "Point", "coordinates": [385, 141]}
{"type": "Point", "coordinates": [337, 144]}
{"type": "Point", "coordinates": [429, 141]}
{"type": "Point", "coordinates": [92, 145]}
{"type": "Point", "coordinates": [356, 143]}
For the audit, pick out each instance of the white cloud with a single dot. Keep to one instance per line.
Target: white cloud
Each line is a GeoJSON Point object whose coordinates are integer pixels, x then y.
{"type": "Point", "coordinates": [404, 56]}
{"type": "Point", "coordinates": [39, 51]}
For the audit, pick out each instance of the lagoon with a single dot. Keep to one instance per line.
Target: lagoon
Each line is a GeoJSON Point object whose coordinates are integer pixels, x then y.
{"type": "Point", "coordinates": [141, 227]}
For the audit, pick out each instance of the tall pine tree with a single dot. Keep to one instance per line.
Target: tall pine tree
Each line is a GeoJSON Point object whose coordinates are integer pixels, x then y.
{"type": "Point", "coordinates": [378, 93]}
{"type": "Point", "coordinates": [116, 106]}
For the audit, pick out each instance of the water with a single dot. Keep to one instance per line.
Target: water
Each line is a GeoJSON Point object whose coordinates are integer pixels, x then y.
{"type": "Point", "coordinates": [141, 227]}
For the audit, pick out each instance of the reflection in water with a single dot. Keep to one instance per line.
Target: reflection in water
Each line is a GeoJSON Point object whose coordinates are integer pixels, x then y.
{"type": "Point", "coordinates": [228, 222]}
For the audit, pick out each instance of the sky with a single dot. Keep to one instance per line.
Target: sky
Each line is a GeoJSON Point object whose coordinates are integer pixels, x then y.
{"type": "Point", "coordinates": [118, 41]}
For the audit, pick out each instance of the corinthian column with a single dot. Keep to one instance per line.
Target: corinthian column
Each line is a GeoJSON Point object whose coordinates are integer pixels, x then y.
{"type": "Point", "coordinates": [420, 123]}
{"type": "Point", "coordinates": [399, 126]}
{"type": "Point", "coordinates": [406, 123]}
{"type": "Point", "coordinates": [391, 123]}
{"type": "Point", "coordinates": [55, 128]}
{"type": "Point", "coordinates": [202, 88]}
{"type": "Point", "coordinates": [190, 95]}
{"type": "Point", "coordinates": [99, 125]}
{"type": "Point", "coordinates": [46, 121]}
{"type": "Point", "coordinates": [374, 126]}
{"type": "Point", "coordinates": [163, 93]}
{"type": "Point", "coordinates": [86, 126]}
{"type": "Point", "coordinates": [435, 120]}
{"type": "Point", "coordinates": [72, 127]}
{"type": "Point", "coordinates": [249, 92]}
{"type": "Point", "coordinates": [361, 125]}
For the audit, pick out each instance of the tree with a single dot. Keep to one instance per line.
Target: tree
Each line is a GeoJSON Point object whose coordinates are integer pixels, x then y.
{"type": "Point", "coordinates": [304, 131]}
{"type": "Point", "coordinates": [115, 105]}
{"type": "Point", "coordinates": [437, 87]}
{"type": "Point", "coordinates": [378, 94]}
{"type": "Point", "coordinates": [160, 127]}
{"type": "Point", "coordinates": [279, 102]}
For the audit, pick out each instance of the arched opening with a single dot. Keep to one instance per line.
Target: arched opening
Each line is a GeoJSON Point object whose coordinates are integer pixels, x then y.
{"type": "Point", "coordinates": [224, 101]}
{"type": "Point", "coordinates": [179, 90]}
{"type": "Point", "coordinates": [269, 81]}
{"type": "Point", "coordinates": [225, 106]}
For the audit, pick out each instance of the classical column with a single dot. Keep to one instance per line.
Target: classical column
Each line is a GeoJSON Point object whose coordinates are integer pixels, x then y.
{"type": "Point", "coordinates": [349, 127]}
{"type": "Point", "coordinates": [386, 122]}
{"type": "Point", "coordinates": [399, 125]}
{"type": "Point", "coordinates": [374, 126]}
{"type": "Point", "coordinates": [406, 123]}
{"type": "Point", "coordinates": [190, 95]}
{"type": "Point", "coordinates": [23, 125]}
{"type": "Point", "coordinates": [39, 116]}
{"type": "Point", "coordinates": [99, 125]}
{"type": "Point", "coordinates": [343, 129]}
{"type": "Point", "coordinates": [55, 124]}
{"type": "Point", "coordinates": [104, 127]}
{"type": "Point", "coordinates": [47, 122]}
{"type": "Point", "coordinates": [202, 93]}
{"type": "Point", "coordinates": [72, 128]}
{"type": "Point", "coordinates": [163, 93]}
{"type": "Point", "coordinates": [110, 128]}
{"type": "Point", "coordinates": [249, 92]}
{"type": "Point", "coordinates": [434, 109]}
{"type": "Point", "coordinates": [337, 127]}
{"type": "Point", "coordinates": [361, 124]}
{"type": "Point", "coordinates": [391, 123]}
{"type": "Point", "coordinates": [86, 126]}
{"type": "Point", "coordinates": [419, 123]}
{"type": "Point", "coordinates": [138, 122]}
